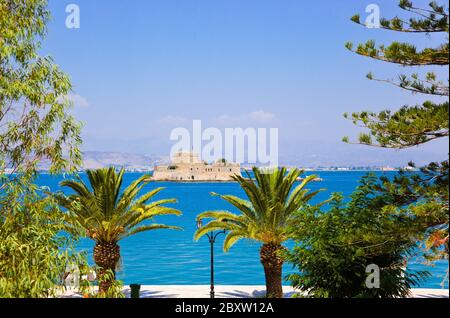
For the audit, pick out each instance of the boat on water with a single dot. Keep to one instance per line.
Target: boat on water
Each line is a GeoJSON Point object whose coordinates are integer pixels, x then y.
{"type": "Point", "coordinates": [315, 179]}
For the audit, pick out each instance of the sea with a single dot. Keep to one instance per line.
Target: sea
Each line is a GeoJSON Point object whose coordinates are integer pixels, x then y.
{"type": "Point", "coordinates": [169, 257]}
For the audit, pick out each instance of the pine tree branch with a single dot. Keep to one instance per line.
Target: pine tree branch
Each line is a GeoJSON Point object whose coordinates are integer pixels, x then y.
{"type": "Point", "coordinates": [417, 10]}
{"type": "Point", "coordinates": [418, 87]}
{"type": "Point", "coordinates": [399, 145]}
{"type": "Point", "coordinates": [407, 127]}
{"type": "Point", "coordinates": [403, 53]}
{"type": "Point", "coordinates": [407, 30]}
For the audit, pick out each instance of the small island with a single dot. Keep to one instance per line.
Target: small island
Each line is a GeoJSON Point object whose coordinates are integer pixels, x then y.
{"type": "Point", "coordinates": [187, 167]}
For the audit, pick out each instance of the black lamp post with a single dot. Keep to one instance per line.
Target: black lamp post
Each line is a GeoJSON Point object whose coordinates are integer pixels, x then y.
{"type": "Point", "coordinates": [212, 239]}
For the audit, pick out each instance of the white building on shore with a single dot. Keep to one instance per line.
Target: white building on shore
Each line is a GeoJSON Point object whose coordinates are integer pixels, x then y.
{"type": "Point", "coordinates": [187, 167]}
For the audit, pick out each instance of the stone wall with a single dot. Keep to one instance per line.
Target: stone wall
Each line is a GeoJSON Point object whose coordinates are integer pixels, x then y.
{"type": "Point", "coordinates": [196, 172]}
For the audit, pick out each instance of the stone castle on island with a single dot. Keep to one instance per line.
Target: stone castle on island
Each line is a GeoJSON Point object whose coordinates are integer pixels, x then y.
{"type": "Point", "coordinates": [187, 167]}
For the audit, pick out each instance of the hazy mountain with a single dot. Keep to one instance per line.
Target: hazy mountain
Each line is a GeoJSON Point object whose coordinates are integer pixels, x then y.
{"type": "Point", "coordinates": [312, 155]}
{"type": "Point", "coordinates": [327, 154]}
{"type": "Point", "coordinates": [130, 161]}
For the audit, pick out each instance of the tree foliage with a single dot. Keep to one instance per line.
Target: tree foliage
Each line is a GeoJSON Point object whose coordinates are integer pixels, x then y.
{"type": "Point", "coordinates": [406, 127]}
{"type": "Point", "coordinates": [34, 120]}
{"type": "Point", "coordinates": [424, 193]}
{"type": "Point", "coordinates": [106, 213]}
{"type": "Point", "coordinates": [334, 247]}
{"type": "Point", "coordinates": [386, 219]}
{"type": "Point", "coordinates": [410, 125]}
{"type": "Point", "coordinates": [34, 256]}
{"type": "Point", "coordinates": [35, 125]}
{"type": "Point", "coordinates": [273, 198]}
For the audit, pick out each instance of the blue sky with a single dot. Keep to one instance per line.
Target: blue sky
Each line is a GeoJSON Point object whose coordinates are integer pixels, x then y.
{"type": "Point", "coordinates": [142, 67]}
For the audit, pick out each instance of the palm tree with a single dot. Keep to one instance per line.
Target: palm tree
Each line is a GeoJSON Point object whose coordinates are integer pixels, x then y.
{"type": "Point", "coordinates": [107, 215]}
{"type": "Point", "coordinates": [265, 216]}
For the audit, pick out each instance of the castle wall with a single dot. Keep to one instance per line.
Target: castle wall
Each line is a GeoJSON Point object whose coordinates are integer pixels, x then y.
{"type": "Point", "coordinates": [196, 172]}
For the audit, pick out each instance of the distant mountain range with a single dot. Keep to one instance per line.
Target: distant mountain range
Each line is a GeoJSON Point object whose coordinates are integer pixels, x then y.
{"type": "Point", "coordinates": [129, 161]}
{"type": "Point", "coordinates": [362, 157]}
{"type": "Point", "coordinates": [137, 162]}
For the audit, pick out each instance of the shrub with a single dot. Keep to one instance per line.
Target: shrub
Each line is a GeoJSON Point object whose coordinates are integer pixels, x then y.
{"type": "Point", "coordinates": [333, 248]}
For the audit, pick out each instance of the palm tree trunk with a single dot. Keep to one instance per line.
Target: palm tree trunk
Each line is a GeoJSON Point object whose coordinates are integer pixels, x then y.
{"type": "Point", "coordinates": [106, 256]}
{"type": "Point", "coordinates": [273, 267]}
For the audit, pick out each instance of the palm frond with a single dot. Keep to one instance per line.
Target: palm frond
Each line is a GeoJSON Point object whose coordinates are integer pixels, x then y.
{"type": "Point", "coordinates": [152, 227]}
{"type": "Point", "coordinates": [232, 238]}
{"type": "Point", "coordinates": [224, 216]}
{"type": "Point", "coordinates": [268, 210]}
{"type": "Point", "coordinates": [242, 205]}
{"type": "Point", "coordinates": [215, 225]}
{"type": "Point", "coordinates": [102, 209]}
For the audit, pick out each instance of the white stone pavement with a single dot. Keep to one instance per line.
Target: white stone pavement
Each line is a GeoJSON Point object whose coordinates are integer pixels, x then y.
{"type": "Point", "coordinates": [239, 291]}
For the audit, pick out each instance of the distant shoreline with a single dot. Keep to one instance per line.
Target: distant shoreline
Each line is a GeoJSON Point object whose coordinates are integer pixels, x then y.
{"type": "Point", "coordinates": [213, 181]}
{"type": "Point", "coordinates": [305, 171]}
{"type": "Point", "coordinates": [191, 181]}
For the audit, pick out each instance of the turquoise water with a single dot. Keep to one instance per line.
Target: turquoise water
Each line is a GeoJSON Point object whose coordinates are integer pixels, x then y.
{"type": "Point", "coordinates": [166, 257]}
